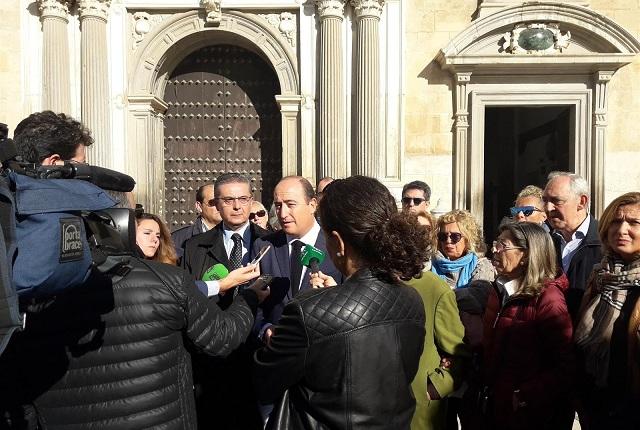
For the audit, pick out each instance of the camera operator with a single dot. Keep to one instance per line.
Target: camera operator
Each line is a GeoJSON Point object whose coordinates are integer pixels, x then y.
{"type": "Point", "coordinates": [111, 353]}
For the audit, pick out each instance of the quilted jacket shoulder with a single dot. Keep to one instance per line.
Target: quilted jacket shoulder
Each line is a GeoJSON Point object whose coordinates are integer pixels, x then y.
{"type": "Point", "coordinates": [111, 354]}
{"type": "Point", "coordinates": [346, 356]}
{"type": "Point", "coordinates": [360, 301]}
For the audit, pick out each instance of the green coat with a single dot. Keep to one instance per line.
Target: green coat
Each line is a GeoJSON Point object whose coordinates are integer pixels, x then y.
{"type": "Point", "coordinates": [444, 333]}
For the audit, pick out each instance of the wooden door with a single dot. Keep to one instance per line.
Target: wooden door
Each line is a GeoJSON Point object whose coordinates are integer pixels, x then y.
{"type": "Point", "coordinates": [222, 117]}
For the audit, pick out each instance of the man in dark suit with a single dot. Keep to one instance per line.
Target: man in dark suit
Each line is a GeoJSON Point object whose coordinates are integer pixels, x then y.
{"type": "Point", "coordinates": [574, 234]}
{"type": "Point", "coordinates": [231, 242]}
{"type": "Point", "coordinates": [295, 204]}
{"type": "Point", "coordinates": [208, 217]}
{"type": "Point", "coordinates": [224, 392]}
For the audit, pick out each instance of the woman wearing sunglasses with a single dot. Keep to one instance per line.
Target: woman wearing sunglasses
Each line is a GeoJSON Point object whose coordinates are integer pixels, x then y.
{"type": "Point", "coordinates": [460, 257]}
{"type": "Point", "coordinates": [461, 263]}
{"type": "Point", "coordinates": [528, 355]}
{"type": "Point", "coordinates": [529, 207]}
{"type": "Point", "coordinates": [259, 215]}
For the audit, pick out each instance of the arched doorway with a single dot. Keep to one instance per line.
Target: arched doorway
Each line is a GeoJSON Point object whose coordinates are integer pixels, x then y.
{"type": "Point", "coordinates": [221, 116]}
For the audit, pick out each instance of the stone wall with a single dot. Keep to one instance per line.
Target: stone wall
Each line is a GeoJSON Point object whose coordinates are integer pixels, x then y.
{"type": "Point", "coordinates": [429, 26]}
{"type": "Point", "coordinates": [11, 92]}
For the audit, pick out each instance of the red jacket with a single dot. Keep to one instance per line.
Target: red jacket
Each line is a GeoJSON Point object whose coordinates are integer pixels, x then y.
{"type": "Point", "coordinates": [528, 347]}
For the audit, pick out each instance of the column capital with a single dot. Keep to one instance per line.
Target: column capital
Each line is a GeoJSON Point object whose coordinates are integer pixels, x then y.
{"type": "Point", "coordinates": [94, 8]}
{"type": "Point", "coordinates": [330, 8]}
{"type": "Point", "coordinates": [603, 76]}
{"type": "Point", "coordinates": [368, 8]}
{"type": "Point", "coordinates": [54, 8]}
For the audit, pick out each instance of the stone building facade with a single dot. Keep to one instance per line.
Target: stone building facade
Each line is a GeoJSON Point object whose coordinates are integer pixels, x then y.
{"type": "Point", "coordinates": [475, 98]}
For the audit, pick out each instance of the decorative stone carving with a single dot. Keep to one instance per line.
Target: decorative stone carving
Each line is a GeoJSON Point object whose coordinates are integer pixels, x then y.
{"type": "Point", "coordinates": [94, 8]}
{"type": "Point", "coordinates": [334, 8]}
{"type": "Point", "coordinates": [368, 8]}
{"type": "Point", "coordinates": [214, 11]}
{"type": "Point", "coordinates": [536, 38]}
{"type": "Point", "coordinates": [285, 22]}
{"type": "Point", "coordinates": [142, 24]}
{"type": "Point", "coordinates": [54, 8]}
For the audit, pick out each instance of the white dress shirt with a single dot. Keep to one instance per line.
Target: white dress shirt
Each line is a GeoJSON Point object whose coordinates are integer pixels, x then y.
{"type": "Point", "coordinates": [309, 238]}
{"type": "Point", "coordinates": [213, 287]}
{"type": "Point", "coordinates": [568, 249]}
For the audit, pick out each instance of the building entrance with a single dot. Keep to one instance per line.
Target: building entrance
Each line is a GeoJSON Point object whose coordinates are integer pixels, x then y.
{"type": "Point", "coordinates": [222, 117]}
{"type": "Point", "coordinates": [522, 144]}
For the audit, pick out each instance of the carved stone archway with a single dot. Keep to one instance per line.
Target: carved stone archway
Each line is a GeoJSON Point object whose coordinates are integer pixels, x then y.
{"type": "Point", "coordinates": [158, 56]}
{"type": "Point", "coordinates": [488, 68]}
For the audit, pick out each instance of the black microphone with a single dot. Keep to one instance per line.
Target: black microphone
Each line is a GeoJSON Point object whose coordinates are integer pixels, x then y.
{"type": "Point", "coordinates": [104, 178]}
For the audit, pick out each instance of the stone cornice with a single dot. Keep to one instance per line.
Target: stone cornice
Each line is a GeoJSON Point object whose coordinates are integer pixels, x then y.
{"type": "Point", "coordinates": [94, 8]}
{"type": "Point", "coordinates": [368, 8]}
{"type": "Point", "coordinates": [330, 8]}
{"type": "Point", "coordinates": [54, 8]}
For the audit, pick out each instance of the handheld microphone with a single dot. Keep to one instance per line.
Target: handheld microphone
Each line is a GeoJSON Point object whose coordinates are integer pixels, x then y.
{"type": "Point", "coordinates": [215, 273]}
{"type": "Point", "coordinates": [312, 257]}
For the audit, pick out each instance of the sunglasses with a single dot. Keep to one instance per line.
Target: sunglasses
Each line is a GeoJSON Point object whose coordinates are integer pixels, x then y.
{"type": "Point", "coordinates": [526, 210]}
{"type": "Point", "coordinates": [258, 214]}
{"type": "Point", "coordinates": [416, 200]}
{"type": "Point", "coordinates": [454, 237]}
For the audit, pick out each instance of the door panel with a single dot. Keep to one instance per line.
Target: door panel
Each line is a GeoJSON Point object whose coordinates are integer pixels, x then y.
{"type": "Point", "coordinates": [222, 117]}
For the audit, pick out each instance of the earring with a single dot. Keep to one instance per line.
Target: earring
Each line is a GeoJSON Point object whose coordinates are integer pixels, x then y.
{"type": "Point", "coordinates": [339, 254]}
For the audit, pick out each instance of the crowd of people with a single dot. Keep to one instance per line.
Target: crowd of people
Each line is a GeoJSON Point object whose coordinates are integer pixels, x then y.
{"type": "Point", "coordinates": [406, 320]}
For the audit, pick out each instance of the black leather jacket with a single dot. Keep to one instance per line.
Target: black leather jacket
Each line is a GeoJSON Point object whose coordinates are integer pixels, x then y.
{"type": "Point", "coordinates": [110, 354]}
{"type": "Point", "coordinates": [346, 356]}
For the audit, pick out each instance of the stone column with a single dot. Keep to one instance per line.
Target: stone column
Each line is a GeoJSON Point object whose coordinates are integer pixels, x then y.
{"type": "Point", "coordinates": [332, 148]}
{"type": "Point", "coordinates": [292, 161]}
{"type": "Point", "coordinates": [367, 154]}
{"type": "Point", "coordinates": [598, 148]}
{"type": "Point", "coordinates": [95, 78]}
{"type": "Point", "coordinates": [56, 89]}
{"type": "Point", "coordinates": [461, 189]}
{"type": "Point", "coordinates": [145, 156]}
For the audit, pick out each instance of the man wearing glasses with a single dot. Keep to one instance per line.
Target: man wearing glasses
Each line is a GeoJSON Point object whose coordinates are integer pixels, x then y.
{"type": "Point", "coordinates": [529, 207]}
{"type": "Point", "coordinates": [415, 197]}
{"type": "Point", "coordinates": [224, 393]}
{"type": "Point", "coordinates": [229, 243]}
{"type": "Point", "coordinates": [208, 217]}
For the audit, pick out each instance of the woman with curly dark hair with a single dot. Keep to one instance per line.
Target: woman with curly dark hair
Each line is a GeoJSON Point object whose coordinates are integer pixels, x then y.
{"type": "Point", "coordinates": [345, 356]}
{"type": "Point", "coordinates": [154, 239]}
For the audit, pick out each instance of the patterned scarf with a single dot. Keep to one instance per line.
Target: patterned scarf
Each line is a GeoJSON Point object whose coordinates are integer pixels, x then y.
{"type": "Point", "coordinates": [612, 280]}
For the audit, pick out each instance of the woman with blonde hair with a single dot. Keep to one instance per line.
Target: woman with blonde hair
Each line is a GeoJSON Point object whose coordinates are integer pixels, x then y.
{"type": "Point", "coordinates": [608, 329]}
{"type": "Point", "coordinates": [154, 239]}
{"type": "Point", "coordinates": [527, 349]}
{"type": "Point", "coordinates": [460, 257]}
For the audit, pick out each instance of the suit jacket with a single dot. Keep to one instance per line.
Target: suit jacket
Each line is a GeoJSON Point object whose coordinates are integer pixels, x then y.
{"type": "Point", "coordinates": [586, 256]}
{"type": "Point", "coordinates": [276, 264]}
{"type": "Point", "coordinates": [185, 233]}
{"type": "Point", "coordinates": [206, 249]}
{"type": "Point", "coordinates": [224, 398]}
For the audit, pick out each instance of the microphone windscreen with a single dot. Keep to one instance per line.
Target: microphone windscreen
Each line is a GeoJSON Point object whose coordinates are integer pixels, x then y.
{"type": "Point", "coordinates": [106, 179]}
{"type": "Point", "coordinates": [215, 273]}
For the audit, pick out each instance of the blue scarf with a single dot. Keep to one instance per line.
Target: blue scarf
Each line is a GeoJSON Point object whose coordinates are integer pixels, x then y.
{"type": "Point", "coordinates": [441, 265]}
